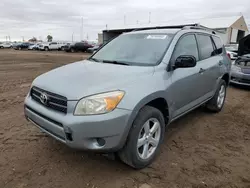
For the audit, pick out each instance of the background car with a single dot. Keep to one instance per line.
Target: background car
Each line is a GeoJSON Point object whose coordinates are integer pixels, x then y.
{"type": "Point", "coordinates": [232, 51]}
{"type": "Point", "coordinates": [92, 50]}
{"type": "Point", "coordinates": [52, 46]}
{"type": "Point", "coordinates": [65, 46]}
{"type": "Point", "coordinates": [240, 72]}
{"type": "Point", "coordinates": [34, 47]}
{"type": "Point", "coordinates": [6, 45]}
{"type": "Point", "coordinates": [21, 46]}
{"type": "Point", "coordinates": [78, 47]}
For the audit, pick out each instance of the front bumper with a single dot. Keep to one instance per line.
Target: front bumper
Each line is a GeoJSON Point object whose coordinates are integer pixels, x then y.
{"type": "Point", "coordinates": [106, 132]}
{"type": "Point", "coordinates": [240, 78]}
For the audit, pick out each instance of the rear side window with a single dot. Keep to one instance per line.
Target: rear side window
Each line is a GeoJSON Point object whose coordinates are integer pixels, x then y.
{"type": "Point", "coordinates": [186, 46]}
{"type": "Point", "coordinates": [218, 44]}
{"type": "Point", "coordinates": [205, 46]}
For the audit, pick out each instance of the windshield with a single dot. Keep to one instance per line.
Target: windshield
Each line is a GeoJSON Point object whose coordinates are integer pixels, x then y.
{"type": "Point", "coordinates": [135, 49]}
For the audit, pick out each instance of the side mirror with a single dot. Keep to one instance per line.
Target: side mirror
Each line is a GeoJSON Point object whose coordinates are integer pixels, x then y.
{"type": "Point", "coordinates": [185, 61]}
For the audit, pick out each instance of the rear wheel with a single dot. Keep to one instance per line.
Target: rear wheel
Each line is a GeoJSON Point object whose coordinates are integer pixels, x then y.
{"type": "Point", "coordinates": [144, 139]}
{"type": "Point", "coordinates": [62, 48]}
{"type": "Point", "coordinates": [217, 102]}
{"type": "Point", "coordinates": [46, 49]}
{"type": "Point", "coordinates": [72, 50]}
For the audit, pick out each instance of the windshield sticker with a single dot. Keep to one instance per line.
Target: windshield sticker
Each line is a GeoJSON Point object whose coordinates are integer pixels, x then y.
{"type": "Point", "coordinates": [157, 37]}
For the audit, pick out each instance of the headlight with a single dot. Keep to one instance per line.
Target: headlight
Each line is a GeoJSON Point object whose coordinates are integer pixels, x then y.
{"type": "Point", "coordinates": [235, 68]}
{"type": "Point", "coordinates": [99, 104]}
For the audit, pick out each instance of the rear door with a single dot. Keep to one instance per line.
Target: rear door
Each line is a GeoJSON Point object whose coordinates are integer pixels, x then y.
{"type": "Point", "coordinates": [210, 62]}
{"type": "Point", "coordinates": [186, 82]}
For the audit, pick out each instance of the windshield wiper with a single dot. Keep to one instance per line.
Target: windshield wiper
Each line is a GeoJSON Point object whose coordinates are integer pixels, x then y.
{"type": "Point", "coordinates": [115, 62]}
{"type": "Point", "coordinates": [94, 59]}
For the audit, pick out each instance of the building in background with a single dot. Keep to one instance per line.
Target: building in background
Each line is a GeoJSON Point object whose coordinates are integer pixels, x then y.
{"type": "Point", "coordinates": [230, 29]}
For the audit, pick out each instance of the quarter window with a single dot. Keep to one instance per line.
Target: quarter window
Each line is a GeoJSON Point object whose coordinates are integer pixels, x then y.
{"type": "Point", "coordinates": [218, 44]}
{"type": "Point", "coordinates": [205, 46]}
{"type": "Point", "coordinates": [186, 46]}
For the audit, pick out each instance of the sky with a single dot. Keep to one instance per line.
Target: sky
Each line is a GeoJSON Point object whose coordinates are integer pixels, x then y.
{"type": "Point", "coordinates": [84, 19]}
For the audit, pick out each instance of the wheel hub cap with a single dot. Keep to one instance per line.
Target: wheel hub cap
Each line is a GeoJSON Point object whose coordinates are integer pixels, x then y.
{"type": "Point", "coordinates": [149, 138]}
{"type": "Point", "coordinates": [221, 96]}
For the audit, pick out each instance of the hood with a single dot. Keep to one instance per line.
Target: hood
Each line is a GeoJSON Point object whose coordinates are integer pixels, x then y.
{"type": "Point", "coordinates": [244, 46]}
{"type": "Point", "coordinates": [85, 78]}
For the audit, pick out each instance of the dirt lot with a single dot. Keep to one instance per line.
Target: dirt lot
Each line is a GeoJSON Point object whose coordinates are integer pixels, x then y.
{"type": "Point", "coordinates": [200, 150]}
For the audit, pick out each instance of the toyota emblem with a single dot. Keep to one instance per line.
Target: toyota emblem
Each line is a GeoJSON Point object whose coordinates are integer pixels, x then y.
{"type": "Point", "coordinates": [44, 98]}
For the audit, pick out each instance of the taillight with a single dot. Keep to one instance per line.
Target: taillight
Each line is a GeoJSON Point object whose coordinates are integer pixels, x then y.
{"type": "Point", "coordinates": [229, 55]}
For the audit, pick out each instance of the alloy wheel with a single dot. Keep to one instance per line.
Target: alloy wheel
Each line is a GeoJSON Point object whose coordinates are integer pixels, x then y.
{"type": "Point", "coordinates": [221, 96]}
{"type": "Point", "coordinates": [149, 138]}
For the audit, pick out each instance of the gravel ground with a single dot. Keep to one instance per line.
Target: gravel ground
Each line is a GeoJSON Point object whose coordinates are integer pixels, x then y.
{"type": "Point", "coordinates": [201, 149]}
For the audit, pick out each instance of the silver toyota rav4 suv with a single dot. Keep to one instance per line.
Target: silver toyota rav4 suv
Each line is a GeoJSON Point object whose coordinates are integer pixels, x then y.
{"type": "Point", "coordinates": [122, 98]}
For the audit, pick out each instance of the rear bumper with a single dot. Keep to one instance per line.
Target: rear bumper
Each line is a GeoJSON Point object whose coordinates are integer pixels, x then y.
{"type": "Point", "coordinates": [240, 78]}
{"type": "Point", "coordinates": [106, 132]}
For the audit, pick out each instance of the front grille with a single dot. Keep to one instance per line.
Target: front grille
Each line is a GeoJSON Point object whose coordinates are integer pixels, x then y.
{"type": "Point", "coordinates": [54, 101]}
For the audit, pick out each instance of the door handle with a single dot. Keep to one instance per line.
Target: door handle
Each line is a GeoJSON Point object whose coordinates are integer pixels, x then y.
{"type": "Point", "coordinates": [202, 70]}
{"type": "Point", "coordinates": [220, 63]}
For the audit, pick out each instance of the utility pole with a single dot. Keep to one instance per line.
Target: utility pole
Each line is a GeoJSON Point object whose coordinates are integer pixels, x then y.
{"type": "Point", "coordinates": [124, 19]}
{"type": "Point", "coordinates": [149, 17]}
{"type": "Point", "coordinates": [106, 26]}
{"type": "Point", "coordinates": [72, 37]}
{"type": "Point", "coordinates": [81, 28]}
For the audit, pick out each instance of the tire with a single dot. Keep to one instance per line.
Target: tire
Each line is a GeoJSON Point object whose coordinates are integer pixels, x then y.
{"type": "Point", "coordinates": [133, 154]}
{"type": "Point", "coordinates": [46, 49]}
{"type": "Point", "coordinates": [215, 104]}
{"type": "Point", "coordinates": [62, 48]}
{"type": "Point", "coordinates": [19, 48]}
{"type": "Point", "coordinates": [72, 50]}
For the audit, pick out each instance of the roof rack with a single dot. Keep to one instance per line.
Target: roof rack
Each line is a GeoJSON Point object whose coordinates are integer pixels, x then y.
{"type": "Point", "coordinates": [187, 26]}
{"type": "Point", "coordinates": [166, 27]}
{"type": "Point", "coordinates": [200, 27]}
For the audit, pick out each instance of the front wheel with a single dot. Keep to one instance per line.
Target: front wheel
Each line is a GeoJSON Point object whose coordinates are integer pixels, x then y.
{"type": "Point", "coordinates": [46, 49]}
{"type": "Point", "coordinates": [217, 102]}
{"type": "Point", "coordinates": [144, 139]}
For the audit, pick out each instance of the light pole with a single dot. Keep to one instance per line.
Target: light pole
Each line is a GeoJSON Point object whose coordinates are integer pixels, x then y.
{"type": "Point", "coordinates": [149, 17]}
{"type": "Point", "coordinates": [81, 30]}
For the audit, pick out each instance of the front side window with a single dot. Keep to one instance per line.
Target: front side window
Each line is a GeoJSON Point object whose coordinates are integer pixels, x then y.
{"type": "Point", "coordinates": [205, 46]}
{"type": "Point", "coordinates": [143, 49]}
{"type": "Point", "coordinates": [187, 45]}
